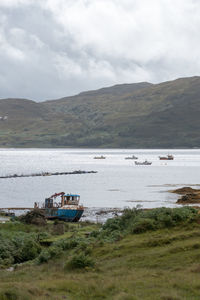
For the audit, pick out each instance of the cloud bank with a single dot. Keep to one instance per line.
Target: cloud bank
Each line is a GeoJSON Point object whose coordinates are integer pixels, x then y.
{"type": "Point", "coordinates": [54, 48]}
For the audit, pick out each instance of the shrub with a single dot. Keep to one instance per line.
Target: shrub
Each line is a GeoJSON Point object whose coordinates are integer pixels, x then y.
{"type": "Point", "coordinates": [44, 257]}
{"type": "Point", "coordinates": [83, 245]}
{"type": "Point", "coordinates": [43, 236]}
{"type": "Point", "coordinates": [143, 225]}
{"type": "Point", "coordinates": [20, 248]}
{"type": "Point", "coordinates": [26, 248]}
{"type": "Point", "coordinates": [55, 251]}
{"type": "Point", "coordinates": [94, 233]}
{"type": "Point", "coordinates": [165, 220]}
{"type": "Point", "coordinates": [185, 214]}
{"type": "Point", "coordinates": [66, 244]}
{"type": "Point", "coordinates": [138, 220]}
{"type": "Point", "coordinates": [112, 224]}
{"type": "Point", "coordinates": [80, 261]}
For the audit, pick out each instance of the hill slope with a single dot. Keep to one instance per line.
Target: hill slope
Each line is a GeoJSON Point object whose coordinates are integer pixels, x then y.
{"type": "Point", "coordinates": [130, 257]}
{"type": "Point", "coordinates": [130, 115]}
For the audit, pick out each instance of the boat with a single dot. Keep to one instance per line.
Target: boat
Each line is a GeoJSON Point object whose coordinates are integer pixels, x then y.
{"type": "Point", "coordinates": [144, 163]}
{"type": "Point", "coordinates": [168, 157]}
{"type": "Point", "coordinates": [99, 157]}
{"type": "Point", "coordinates": [68, 209]}
{"type": "Point", "coordinates": [131, 157]}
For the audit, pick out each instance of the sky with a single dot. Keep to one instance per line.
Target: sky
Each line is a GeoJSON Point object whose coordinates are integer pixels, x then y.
{"type": "Point", "coordinates": [55, 48]}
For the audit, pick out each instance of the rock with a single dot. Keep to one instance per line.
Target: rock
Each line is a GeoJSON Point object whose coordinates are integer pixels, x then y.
{"type": "Point", "coordinates": [185, 190]}
{"type": "Point", "coordinates": [190, 195]}
{"type": "Point", "coordinates": [189, 198]}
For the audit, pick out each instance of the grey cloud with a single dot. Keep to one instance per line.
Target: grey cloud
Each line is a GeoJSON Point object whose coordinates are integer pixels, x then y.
{"type": "Point", "coordinates": [54, 48]}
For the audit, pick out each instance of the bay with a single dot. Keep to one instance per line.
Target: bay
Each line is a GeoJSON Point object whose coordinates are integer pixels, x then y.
{"type": "Point", "coordinates": [118, 183]}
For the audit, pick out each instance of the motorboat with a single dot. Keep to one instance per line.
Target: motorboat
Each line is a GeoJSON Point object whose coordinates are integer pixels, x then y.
{"type": "Point", "coordinates": [131, 157]}
{"type": "Point", "coordinates": [168, 157]}
{"type": "Point", "coordinates": [144, 163]}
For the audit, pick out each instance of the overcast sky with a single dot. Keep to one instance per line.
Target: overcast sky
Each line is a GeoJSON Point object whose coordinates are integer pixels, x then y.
{"type": "Point", "coordinates": [55, 48]}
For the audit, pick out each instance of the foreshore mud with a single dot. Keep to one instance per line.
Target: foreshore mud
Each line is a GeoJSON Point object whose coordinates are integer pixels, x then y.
{"type": "Point", "coordinates": [46, 174]}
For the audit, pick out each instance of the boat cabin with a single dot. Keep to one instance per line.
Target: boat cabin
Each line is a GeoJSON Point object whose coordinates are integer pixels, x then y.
{"type": "Point", "coordinates": [70, 199]}
{"type": "Point", "coordinates": [48, 203]}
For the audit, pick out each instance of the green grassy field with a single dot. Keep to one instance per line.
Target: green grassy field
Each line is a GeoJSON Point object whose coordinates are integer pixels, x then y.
{"type": "Point", "coordinates": [163, 263]}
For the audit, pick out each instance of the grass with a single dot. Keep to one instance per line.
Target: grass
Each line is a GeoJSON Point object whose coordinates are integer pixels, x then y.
{"type": "Point", "coordinates": [124, 270]}
{"type": "Point", "coordinates": [160, 264]}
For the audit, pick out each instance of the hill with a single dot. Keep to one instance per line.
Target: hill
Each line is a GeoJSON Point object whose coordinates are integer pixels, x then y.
{"type": "Point", "coordinates": [140, 115]}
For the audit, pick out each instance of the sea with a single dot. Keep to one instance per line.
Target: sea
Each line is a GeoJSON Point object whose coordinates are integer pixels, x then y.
{"type": "Point", "coordinates": [118, 183]}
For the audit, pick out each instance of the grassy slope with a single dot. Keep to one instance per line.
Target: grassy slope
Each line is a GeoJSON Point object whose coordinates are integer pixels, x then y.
{"type": "Point", "coordinates": [138, 115]}
{"type": "Point", "coordinates": [163, 264]}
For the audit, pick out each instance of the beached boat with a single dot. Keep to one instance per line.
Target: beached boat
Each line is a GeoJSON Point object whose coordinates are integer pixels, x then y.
{"type": "Point", "coordinates": [99, 157]}
{"type": "Point", "coordinates": [168, 157]}
{"type": "Point", "coordinates": [144, 163]}
{"type": "Point", "coordinates": [68, 209]}
{"type": "Point", "coordinates": [131, 157]}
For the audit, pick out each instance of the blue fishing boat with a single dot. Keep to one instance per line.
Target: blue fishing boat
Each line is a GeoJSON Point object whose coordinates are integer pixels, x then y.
{"type": "Point", "coordinates": [68, 209]}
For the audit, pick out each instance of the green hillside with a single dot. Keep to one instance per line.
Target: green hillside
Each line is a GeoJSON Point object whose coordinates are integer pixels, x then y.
{"type": "Point", "coordinates": [148, 255]}
{"type": "Point", "coordinates": [130, 115]}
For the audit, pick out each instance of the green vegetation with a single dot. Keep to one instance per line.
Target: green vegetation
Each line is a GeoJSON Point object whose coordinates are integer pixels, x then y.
{"type": "Point", "coordinates": [143, 254]}
{"type": "Point", "coordinates": [138, 115]}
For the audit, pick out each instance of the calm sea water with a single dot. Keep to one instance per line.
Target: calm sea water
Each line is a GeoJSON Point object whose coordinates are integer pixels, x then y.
{"type": "Point", "coordinates": [118, 183]}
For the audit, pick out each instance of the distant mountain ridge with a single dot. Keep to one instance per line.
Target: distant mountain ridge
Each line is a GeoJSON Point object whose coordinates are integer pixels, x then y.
{"type": "Point", "coordinates": [118, 89]}
{"type": "Point", "coordinates": [140, 115]}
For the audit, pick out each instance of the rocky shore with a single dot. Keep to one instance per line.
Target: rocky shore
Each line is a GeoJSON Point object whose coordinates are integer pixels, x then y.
{"type": "Point", "coordinates": [189, 195]}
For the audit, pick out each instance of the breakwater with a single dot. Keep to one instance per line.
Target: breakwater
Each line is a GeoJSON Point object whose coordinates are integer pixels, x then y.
{"type": "Point", "coordinates": [47, 174]}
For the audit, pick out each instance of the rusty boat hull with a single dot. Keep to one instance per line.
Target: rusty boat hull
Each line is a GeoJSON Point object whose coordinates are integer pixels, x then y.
{"type": "Point", "coordinates": [68, 215]}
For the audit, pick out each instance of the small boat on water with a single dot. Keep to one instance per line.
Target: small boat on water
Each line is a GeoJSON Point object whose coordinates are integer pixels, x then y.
{"type": "Point", "coordinates": [100, 157]}
{"type": "Point", "coordinates": [144, 163]}
{"type": "Point", "coordinates": [68, 209]}
{"type": "Point", "coordinates": [168, 157]}
{"type": "Point", "coordinates": [131, 157]}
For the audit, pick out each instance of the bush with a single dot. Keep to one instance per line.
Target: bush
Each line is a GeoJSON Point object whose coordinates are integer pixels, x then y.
{"type": "Point", "coordinates": [94, 233]}
{"type": "Point", "coordinates": [20, 248]}
{"type": "Point", "coordinates": [143, 225]}
{"type": "Point", "coordinates": [112, 224]}
{"type": "Point", "coordinates": [26, 248]}
{"type": "Point", "coordinates": [138, 220]}
{"type": "Point", "coordinates": [80, 261]}
{"type": "Point", "coordinates": [44, 256]}
{"type": "Point", "coordinates": [55, 251]}
{"type": "Point", "coordinates": [165, 220]}
{"type": "Point", "coordinates": [69, 243]}
{"type": "Point", "coordinates": [43, 236]}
